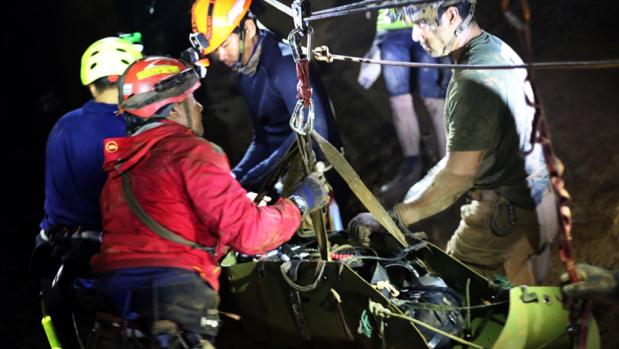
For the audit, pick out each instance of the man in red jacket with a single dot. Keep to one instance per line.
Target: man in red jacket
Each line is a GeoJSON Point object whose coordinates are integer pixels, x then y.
{"type": "Point", "coordinates": [171, 208]}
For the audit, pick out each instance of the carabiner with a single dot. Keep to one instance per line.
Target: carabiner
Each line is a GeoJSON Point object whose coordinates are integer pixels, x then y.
{"type": "Point", "coordinates": [297, 121]}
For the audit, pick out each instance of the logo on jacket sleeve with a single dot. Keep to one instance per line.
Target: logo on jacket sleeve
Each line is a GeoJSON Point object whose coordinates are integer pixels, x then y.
{"type": "Point", "coordinates": [111, 147]}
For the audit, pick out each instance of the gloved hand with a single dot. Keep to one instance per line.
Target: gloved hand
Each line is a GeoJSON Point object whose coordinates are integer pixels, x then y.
{"type": "Point", "coordinates": [362, 226]}
{"type": "Point", "coordinates": [311, 194]}
{"type": "Point", "coordinates": [595, 282]}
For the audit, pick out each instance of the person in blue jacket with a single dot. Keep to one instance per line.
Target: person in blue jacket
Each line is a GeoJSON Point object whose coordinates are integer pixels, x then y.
{"type": "Point", "coordinates": [268, 82]}
{"type": "Point", "coordinates": [71, 227]}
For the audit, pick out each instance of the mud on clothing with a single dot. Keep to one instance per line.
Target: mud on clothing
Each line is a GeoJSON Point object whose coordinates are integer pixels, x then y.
{"type": "Point", "coordinates": [271, 95]}
{"type": "Point", "coordinates": [184, 183]}
{"type": "Point", "coordinates": [153, 294]}
{"type": "Point", "coordinates": [488, 110]}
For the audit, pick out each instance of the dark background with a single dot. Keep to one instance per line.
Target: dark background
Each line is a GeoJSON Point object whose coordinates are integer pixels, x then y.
{"type": "Point", "coordinates": [42, 42]}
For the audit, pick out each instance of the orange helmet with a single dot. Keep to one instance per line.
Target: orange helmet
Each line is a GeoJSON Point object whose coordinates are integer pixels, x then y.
{"type": "Point", "coordinates": [154, 82]}
{"type": "Point", "coordinates": [213, 21]}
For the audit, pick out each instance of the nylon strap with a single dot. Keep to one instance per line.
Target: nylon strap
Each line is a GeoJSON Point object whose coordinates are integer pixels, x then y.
{"type": "Point", "coordinates": [153, 225]}
{"type": "Point", "coordinates": [278, 170]}
{"type": "Point", "coordinates": [357, 186]}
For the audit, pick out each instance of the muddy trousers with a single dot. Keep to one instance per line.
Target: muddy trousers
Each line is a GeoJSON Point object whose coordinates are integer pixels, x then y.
{"type": "Point", "coordinates": [159, 299]}
{"type": "Point", "coordinates": [494, 238]}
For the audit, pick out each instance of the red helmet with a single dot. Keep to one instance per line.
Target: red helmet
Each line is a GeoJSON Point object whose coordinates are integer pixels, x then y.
{"type": "Point", "coordinates": [154, 82]}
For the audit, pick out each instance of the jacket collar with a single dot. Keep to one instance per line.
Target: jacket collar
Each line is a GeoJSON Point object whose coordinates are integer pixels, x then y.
{"type": "Point", "coordinates": [124, 152]}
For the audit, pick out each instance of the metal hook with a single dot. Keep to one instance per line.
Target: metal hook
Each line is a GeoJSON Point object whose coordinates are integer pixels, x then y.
{"type": "Point", "coordinates": [297, 119]}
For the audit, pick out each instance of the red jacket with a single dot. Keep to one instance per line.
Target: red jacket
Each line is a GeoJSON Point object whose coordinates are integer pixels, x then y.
{"type": "Point", "coordinates": [184, 183]}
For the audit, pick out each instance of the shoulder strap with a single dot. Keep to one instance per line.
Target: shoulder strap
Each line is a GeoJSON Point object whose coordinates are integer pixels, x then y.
{"type": "Point", "coordinates": [154, 225]}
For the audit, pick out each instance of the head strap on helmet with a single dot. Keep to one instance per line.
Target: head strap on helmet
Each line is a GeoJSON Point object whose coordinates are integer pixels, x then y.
{"type": "Point", "coordinates": [428, 14]}
{"type": "Point", "coordinates": [215, 20]}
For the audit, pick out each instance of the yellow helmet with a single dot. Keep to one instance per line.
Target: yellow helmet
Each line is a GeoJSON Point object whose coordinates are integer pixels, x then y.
{"type": "Point", "coordinates": [107, 57]}
{"type": "Point", "coordinates": [215, 20]}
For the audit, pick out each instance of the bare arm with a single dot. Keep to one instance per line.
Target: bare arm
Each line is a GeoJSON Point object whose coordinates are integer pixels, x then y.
{"type": "Point", "coordinates": [441, 187]}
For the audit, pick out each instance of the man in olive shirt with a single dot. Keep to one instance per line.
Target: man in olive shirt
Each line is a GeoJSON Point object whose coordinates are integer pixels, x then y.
{"type": "Point", "coordinates": [488, 123]}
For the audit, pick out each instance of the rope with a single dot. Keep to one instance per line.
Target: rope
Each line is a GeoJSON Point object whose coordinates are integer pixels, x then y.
{"type": "Point", "coordinates": [438, 307]}
{"type": "Point", "coordinates": [322, 53]}
{"type": "Point", "coordinates": [381, 312]}
{"type": "Point", "coordinates": [363, 6]}
{"type": "Point", "coordinates": [304, 91]}
{"type": "Point", "coordinates": [279, 6]}
{"type": "Point", "coordinates": [539, 122]}
{"type": "Point", "coordinates": [365, 327]}
{"type": "Point", "coordinates": [320, 269]}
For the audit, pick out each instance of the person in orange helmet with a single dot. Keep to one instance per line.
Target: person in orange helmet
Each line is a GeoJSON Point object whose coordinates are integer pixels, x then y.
{"type": "Point", "coordinates": [267, 80]}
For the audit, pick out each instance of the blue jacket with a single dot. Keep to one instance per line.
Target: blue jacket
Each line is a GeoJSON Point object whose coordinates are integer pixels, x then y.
{"type": "Point", "coordinates": [73, 165]}
{"type": "Point", "coordinates": [270, 95]}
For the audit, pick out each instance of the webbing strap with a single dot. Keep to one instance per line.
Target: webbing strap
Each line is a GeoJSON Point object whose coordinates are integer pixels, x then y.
{"type": "Point", "coordinates": [357, 186]}
{"type": "Point", "coordinates": [153, 225]}
{"type": "Point", "coordinates": [278, 170]}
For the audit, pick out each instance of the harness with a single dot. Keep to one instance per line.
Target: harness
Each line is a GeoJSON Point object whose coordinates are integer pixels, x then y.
{"type": "Point", "coordinates": [153, 225]}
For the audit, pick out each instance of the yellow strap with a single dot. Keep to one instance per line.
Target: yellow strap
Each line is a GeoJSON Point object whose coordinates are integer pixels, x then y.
{"type": "Point", "coordinates": [357, 186]}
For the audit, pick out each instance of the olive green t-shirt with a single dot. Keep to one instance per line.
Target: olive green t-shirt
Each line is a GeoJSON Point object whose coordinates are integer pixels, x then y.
{"type": "Point", "coordinates": [488, 110]}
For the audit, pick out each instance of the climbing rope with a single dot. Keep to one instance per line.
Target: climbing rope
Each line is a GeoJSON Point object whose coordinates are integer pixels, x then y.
{"type": "Point", "coordinates": [322, 53]}
{"type": "Point", "coordinates": [382, 313]}
{"type": "Point", "coordinates": [301, 16]}
{"type": "Point", "coordinates": [363, 6]}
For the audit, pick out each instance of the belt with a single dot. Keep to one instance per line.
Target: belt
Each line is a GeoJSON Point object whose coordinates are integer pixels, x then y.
{"type": "Point", "coordinates": [68, 233]}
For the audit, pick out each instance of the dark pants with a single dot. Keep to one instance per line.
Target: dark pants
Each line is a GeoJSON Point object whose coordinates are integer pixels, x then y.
{"type": "Point", "coordinates": [152, 294]}
{"type": "Point", "coordinates": [73, 255]}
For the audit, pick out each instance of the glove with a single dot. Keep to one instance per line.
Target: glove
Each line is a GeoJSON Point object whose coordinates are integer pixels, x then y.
{"type": "Point", "coordinates": [311, 194]}
{"type": "Point", "coordinates": [595, 282]}
{"type": "Point", "coordinates": [362, 226]}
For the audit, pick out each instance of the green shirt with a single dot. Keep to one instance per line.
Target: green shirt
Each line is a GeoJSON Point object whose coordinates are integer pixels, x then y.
{"type": "Point", "coordinates": [487, 110]}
